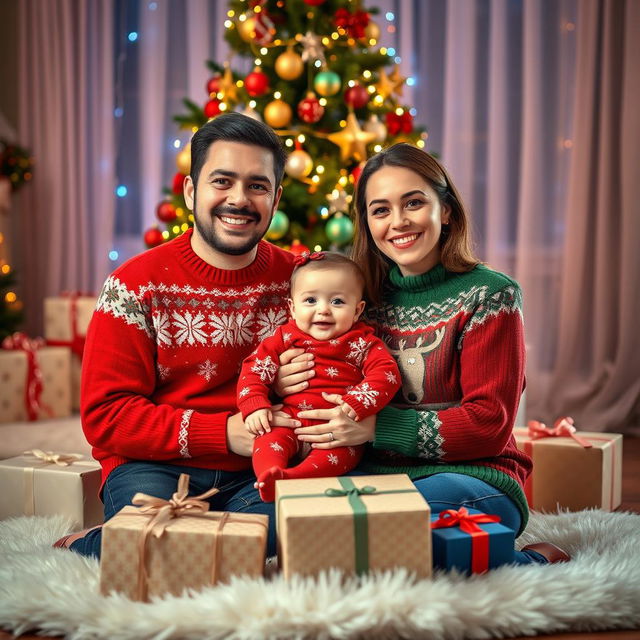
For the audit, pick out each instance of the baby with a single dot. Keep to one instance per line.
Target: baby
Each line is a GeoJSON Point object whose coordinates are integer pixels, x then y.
{"type": "Point", "coordinates": [326, 302]}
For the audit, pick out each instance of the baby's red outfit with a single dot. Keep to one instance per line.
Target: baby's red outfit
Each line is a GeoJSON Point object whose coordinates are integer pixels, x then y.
{"type": "Point", "coordinates": [355, 365]}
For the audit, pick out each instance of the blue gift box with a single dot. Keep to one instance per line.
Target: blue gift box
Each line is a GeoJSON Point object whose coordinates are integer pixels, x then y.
{"type": "Point", "coordinates": [452, 546]}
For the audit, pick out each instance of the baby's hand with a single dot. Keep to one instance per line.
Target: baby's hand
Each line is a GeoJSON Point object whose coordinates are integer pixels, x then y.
{"type": "Point", "coordinates": [349, 411]}
{"type": "Point", "coordinates": [258, 422]}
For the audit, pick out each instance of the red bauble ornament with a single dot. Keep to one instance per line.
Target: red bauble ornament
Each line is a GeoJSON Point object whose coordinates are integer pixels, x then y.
{"type": "Point", "coordinates": [355, 172]}
{"type": "Point", "coordinates": [212, 108]}
{"type": "Point", "coordinates": [309, 109]}
{"type": "Point", "coordinates": [256, 83]}
{"type": "Point", "coordinates": [213, 85]}
{"type": "Point", "coordinates": [297, 248]}
{"type": "Point", "coordinates": [178, 181]}
{"type": "Point", "coordinates": [314, 3]}
{"type": "Point", "coordinates": [399, 123]}
{"type": "Point", "coordinates": [153, 237]}
{"type": "Point", "coordinates": [356, 96]}
{"type": "Point", "coordinates": [166, 212]}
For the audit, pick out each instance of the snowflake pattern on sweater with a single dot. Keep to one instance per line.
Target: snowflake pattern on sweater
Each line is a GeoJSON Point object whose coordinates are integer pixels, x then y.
{"type": "Point", "coordinates": [356, 366]}
{"type": "Point", "coordinates": [164, 350]}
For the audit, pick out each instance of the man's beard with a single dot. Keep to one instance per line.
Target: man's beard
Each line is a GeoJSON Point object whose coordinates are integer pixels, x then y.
{"type": "Point", "coordinates": [208, 234]}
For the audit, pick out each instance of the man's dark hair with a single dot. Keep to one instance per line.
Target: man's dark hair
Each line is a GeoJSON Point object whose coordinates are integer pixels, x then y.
{"type": "Point", "coordinates": [234, 127]}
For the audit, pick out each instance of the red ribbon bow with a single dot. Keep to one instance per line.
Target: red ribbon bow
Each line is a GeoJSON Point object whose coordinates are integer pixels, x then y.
{"type": "Point", "coordinates": [33, 387]}
{"type": "Point", "coordinates": [469, 524]}
{"type": "Point", "coordinates": [76, 344]}
{"type": "Point", "coordinates": [305, 257]}
{"type": "Point", "coordinates": [562, 428]}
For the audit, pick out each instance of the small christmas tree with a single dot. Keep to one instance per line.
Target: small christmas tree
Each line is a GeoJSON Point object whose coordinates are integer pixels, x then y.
{"type": "Point", "coordinates": [320, 81]}
{"type": "Point", "coordinates": [10, 306]}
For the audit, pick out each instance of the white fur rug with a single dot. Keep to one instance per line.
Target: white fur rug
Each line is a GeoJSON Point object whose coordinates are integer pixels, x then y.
{"type": "Point", "coordinates": [56, 591]}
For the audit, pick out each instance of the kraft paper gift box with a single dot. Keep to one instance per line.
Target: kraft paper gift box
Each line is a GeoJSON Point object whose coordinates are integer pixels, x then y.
{"type": "Point", "coordinates": [353, 523]}
{"type": "Point", "coordinates": [568, 475]}
{"type": "Point", "coordinates": [194, 550]}
{"type": "Point", "coordinates": [66, 319]}
{"type": "Point", "coordinates": [470, 541]}
{"type": "Point", "coordinates": [18, 401]}
{"type": "Point", "coordinates": [45, 484]}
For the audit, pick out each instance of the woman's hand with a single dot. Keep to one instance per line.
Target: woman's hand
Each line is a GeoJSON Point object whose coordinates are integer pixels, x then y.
{"type": "Point", "coordinates": [296, 367]}
{"type": "Point", "coordinates": [338, 430]}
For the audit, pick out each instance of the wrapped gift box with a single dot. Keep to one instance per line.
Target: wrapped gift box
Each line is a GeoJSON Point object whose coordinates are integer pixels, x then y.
{"type": "Point", "coordinates": [353, 530]}
{"type": "Point", "coordinates": [569, 476]}
{"type": "Point", "coordinates": [470, 545]}
{"type": "Point", "coordinates": [66, 319]}
{"type": "Point", "coordinates": [55, 400]}
{"type": "Point", "coordinates": [194, 551]}
{"type": "Point", "coordinates": [35, 486]}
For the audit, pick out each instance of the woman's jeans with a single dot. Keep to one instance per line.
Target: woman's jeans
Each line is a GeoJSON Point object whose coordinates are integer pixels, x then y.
{"type": "Point", "coordinates": [161, 480]}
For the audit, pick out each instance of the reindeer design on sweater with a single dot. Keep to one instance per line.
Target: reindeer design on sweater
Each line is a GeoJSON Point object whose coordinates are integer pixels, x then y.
{"type": "Point", "coordinates": [411, 363]}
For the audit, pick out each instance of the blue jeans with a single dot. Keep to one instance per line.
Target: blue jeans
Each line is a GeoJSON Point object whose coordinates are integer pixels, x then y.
{"type": "Point", "coordinates": [161, 480]}
{"type": "Point", "coordinates": [454, 490]}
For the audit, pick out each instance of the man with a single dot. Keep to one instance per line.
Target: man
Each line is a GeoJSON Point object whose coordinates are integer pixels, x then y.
{"type": "Point", "coordinates": [172, 327]}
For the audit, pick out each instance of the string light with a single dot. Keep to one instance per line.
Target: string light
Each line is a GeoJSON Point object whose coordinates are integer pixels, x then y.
{"type": "Point", "coordinates": [10, 296]}
{"type": "Point", "coordinates": [133, 36]}
{"type": "Point", "coordinates": [121, 191]}
{"type": "Point", "coordinates": [317, 248]}
{"type": "Point", "coordinates": [411, 82]}
{"type": "Point", "coordinates": [389, 16]}
{"type": "Point", "coordinates": [113, 255]}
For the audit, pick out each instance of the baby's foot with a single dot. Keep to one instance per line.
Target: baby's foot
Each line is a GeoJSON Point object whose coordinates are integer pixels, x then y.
{"type": "Point", "coordinates": [266, 484]}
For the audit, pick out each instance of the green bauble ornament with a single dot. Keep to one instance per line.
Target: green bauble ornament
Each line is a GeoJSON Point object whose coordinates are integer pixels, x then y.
{"type": "Point", "coordinates": [327, 83]}
{"type": "Point", "coordinates": [279, 226]}
{"type": "Point", "coordinates": [339, 229]}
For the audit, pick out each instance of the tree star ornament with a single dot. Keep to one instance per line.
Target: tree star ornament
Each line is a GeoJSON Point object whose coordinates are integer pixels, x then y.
{"type": "Point", "coordinates": [397, 79]}
{"type": "Point", "coordinates": [338, 201]}
{"type": "Point", "coordinates": [312, 48]}
{"type": "Point", "coordinates": [384, 86]}
{"type": "Point", "coordinates": [228, 86]}
{"type": "Point", "coordinates": [352, 140]}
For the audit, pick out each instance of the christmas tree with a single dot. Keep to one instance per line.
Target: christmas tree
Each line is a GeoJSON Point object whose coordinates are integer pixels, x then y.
{"type": "Point", "coordinates": [16, 169]}
{"type": "Point", "coordinates": [323, 83]}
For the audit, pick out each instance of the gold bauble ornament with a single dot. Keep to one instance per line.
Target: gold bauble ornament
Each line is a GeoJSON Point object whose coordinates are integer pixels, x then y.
{"type": "Point", "coordinates": [183, 159]}
{"type": "Point", "coordinates": [247, 28]}
{"type": "Point", "coordinates": [289, 65]}
{"type": "Point", "coordinates": [299, 164]}
{"type": "Point", "coordinates": [371, 32]}
{"type": "Point", "coordinates": [277, 114]}
{"type": "Point", "coordinates": [352, 140]}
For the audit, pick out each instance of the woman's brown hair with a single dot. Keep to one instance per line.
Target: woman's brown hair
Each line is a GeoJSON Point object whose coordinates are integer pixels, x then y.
{"type": "Point", "coordinates": [455, 242]}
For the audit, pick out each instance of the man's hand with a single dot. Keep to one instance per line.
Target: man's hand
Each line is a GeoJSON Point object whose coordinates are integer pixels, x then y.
{"type": "Point", "coordinates": [239, 440]}
{"type": "Point", "coordinates": [259, 422]}
{"type": "Point", "coordinates": [338, 430]}
{"type": "Point", "coordinates": [296, 367]}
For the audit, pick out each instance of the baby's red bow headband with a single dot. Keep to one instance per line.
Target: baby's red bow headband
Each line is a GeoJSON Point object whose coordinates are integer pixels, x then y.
{"type": "Point", "coordinates": [303, 258]}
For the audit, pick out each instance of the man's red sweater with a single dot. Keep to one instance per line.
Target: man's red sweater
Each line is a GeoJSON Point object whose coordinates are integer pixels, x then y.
{"type": "Point", "coordinates": [164, 350]}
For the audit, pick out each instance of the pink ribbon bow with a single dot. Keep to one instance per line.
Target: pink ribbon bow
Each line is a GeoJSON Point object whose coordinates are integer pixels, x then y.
{"type": "Point", "coordinates": [562, 428]}
{"type": "Point", "coordinates": [303, 258]}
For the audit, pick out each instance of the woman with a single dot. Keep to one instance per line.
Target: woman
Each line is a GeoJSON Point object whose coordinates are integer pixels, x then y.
{"type": "Point", "coordinates": [455, 328]}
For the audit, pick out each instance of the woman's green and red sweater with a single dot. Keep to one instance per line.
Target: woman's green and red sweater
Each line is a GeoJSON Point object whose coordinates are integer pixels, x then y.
{"type": "Point", "coordinates": [459, 342]}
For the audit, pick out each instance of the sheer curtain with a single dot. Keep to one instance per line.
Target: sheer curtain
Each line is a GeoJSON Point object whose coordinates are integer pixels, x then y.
{"type": "Point", "coordinates": [66, 119]}
{"type": "Point", "coordinates": [532, 105]}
